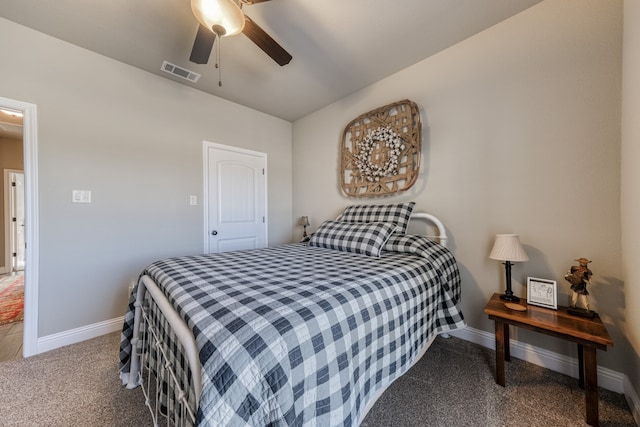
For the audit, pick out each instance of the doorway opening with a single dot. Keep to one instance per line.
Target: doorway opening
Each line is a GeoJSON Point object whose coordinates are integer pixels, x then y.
{"type": "Point", "coordinates": [18, 124]}
{"type": "Point", "coordinates": [12, 235]}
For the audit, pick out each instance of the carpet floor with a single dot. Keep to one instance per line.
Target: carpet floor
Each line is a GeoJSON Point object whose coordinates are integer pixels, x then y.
{"type": "Point", "coordinates": [452, 385]}
{"type": "Point", "coordinates": [11, 299]}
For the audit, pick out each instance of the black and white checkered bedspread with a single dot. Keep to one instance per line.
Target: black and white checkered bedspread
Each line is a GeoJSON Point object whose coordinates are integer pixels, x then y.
{"type": "Point", "coordinates": [296, 335]}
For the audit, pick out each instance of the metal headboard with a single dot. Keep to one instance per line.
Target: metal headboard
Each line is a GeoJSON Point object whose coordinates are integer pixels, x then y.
{"type": "Point", "coordinates": [442, 232]}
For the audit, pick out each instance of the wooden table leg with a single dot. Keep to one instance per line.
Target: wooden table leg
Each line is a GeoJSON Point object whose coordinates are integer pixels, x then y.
{"type": "Point", "coordinates": [500, 350]}
{"type": "Point", "coordinates": [580, 366]}
{"type": "Point", "coordinates": [591, 385]}
{"type": "Point", "coordinates": [507, 343]}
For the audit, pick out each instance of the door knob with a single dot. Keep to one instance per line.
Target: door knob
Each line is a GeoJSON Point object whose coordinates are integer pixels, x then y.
{"type": "Point", "coordinates": [214, 233]}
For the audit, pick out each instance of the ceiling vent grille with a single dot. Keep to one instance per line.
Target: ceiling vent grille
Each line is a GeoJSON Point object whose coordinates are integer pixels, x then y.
{"type": "Point", "coordinates": [183, 73]}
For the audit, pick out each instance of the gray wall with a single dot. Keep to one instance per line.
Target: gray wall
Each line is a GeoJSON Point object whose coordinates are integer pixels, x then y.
{"type": "Point", "coordinates": [630, 180]}
{"type": "Point", "coordinates": [134, 140]}
{"type": "Point", "coordinates": [522, 134]}
{"type": "Point", "coordinates": [521, 129]}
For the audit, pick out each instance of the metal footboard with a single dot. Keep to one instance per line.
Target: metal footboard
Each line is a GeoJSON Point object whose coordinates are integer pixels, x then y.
{"type": "Point", "coordinates": [164, 360]}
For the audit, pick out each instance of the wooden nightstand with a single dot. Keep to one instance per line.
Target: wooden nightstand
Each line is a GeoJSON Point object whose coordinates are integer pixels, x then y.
{"type": "Point", "coordinates": [589, 334]}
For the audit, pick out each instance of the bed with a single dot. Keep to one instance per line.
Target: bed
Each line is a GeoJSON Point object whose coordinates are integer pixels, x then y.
{"type": "Point", "coordinates": [301, 334]}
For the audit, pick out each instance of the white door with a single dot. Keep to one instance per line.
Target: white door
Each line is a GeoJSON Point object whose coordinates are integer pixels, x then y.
{"type": "Point", "coordinates": [14, 220]}
{"type": "Point", "coordinates": [17, 220]}
{"type": "Point", "coordinates": [235, 198]}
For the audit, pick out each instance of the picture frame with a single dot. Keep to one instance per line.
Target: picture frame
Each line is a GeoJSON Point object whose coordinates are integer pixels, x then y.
{"type": "Point", "coordinates": [542, 292]}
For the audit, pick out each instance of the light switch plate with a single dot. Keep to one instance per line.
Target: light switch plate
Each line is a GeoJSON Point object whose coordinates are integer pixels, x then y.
{"type": "Point", "coordinates": [193, 200]}
{"type": "Point", "coordinates": [81, 196]}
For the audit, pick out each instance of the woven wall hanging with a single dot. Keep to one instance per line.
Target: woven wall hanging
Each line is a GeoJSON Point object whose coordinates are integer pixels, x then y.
{"type": "Point", "coordinates": [381, 151]}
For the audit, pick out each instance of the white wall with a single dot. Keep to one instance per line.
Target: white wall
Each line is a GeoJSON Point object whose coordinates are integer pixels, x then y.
{"type": "Point", "coordinates": [521, 128]}
{"type": "Point", "coordinates": [630, 179]}
{"type": "Point", "coordinates": [134, 140]}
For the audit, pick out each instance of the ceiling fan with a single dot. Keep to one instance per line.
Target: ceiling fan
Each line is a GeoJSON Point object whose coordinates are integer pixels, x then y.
{"type": "Point", "coordinates": [223, 18]}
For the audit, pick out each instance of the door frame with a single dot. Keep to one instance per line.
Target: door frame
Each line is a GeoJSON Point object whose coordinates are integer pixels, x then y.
{"type": "Point", "coordinates": [206, 145]}
{"type": "Point", "coordinates": [31, 271]}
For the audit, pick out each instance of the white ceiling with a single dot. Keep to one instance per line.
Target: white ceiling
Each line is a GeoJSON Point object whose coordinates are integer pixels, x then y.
{"type": "Point", "coordinates": [338, 46]}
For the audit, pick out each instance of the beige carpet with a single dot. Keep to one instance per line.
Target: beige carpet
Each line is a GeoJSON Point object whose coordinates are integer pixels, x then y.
{"type": "Point", "coordinates": [453, 385]}
{"type": "Point", "coordinates": [72, 386]}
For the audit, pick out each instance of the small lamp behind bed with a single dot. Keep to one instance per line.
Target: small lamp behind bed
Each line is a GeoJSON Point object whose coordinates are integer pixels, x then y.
{"type": "Point", "coordinates": [305, 223]}
{"type": "Point", "coordinates": [507, 248]}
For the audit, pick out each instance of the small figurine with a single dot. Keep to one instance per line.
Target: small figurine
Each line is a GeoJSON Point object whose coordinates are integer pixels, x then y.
{"type": "Point", "coordinates": [579, 276]}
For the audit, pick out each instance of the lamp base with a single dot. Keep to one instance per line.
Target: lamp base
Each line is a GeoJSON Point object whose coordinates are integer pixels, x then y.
{"type": "Point", "coordinates": [510, 297]}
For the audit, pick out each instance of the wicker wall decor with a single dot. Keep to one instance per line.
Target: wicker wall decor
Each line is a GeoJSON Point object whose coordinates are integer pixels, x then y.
{"type": "Point", "coordinates": [381, 151]}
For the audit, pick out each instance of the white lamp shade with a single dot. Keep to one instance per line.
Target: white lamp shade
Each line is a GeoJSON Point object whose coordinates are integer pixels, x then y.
{"type": "Point", "coordinates": [219, 13]}
{"type": "Point", "coordinates": [507, 247]}
{"type": "Point", "coordinates": [304, 221]}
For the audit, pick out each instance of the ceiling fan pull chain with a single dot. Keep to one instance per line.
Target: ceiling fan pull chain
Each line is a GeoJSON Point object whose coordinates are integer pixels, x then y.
{"type": "Point", "coordinates": [218, 61]}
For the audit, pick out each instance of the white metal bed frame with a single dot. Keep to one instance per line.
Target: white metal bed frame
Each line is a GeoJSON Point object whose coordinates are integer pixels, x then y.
{"type": "Point", "coordinates": [142, 374]}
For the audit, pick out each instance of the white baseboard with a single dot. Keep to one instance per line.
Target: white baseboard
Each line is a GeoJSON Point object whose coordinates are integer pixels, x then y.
{"type": "Point", "coordinates": [611, 380]}
{"type": "Point", "coordinates": [72, 336]}
{"type": "Point", "coordinates": [607, 378]}
{"type": "Point", "coordinates": [632, 399]}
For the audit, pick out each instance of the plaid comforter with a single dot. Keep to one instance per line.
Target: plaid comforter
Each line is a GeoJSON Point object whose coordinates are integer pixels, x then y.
{"type": "Point", "coordinates": [296, 335]}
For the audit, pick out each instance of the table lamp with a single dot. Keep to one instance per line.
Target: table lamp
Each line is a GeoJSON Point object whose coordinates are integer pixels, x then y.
{"type": "Point", "coordinates": [507, 248]}
{"type": "Point", "coordinates": [305, 223]}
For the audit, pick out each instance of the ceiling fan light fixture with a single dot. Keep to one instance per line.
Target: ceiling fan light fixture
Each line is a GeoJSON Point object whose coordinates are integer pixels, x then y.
{"type": "Point", "coordinates": [224, 17]}
{"type": "Point", "coordinates": [12, 113]}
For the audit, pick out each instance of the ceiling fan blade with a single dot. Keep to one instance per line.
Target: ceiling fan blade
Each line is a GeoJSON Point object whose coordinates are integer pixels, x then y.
{"type": "Point", "coordinates": [265, 42]}
{"type": "Point", "coordinates": [202, 45]}
{"type": "Point", "coordinates": [253, 1]}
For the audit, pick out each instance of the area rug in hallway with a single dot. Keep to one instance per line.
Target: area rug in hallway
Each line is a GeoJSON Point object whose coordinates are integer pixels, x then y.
{"type": "Point", "coordinates": [12, 301]}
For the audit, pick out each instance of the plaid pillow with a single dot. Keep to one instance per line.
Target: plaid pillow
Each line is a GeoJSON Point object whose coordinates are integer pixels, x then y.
{"type": "Point", "coordinates": [398, 213]}
{"type": "Point", "coordinates": [359, 237]}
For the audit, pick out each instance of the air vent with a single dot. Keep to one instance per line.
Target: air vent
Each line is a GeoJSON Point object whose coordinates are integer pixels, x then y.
{"type": "Point", "coordinates": [183, 73]}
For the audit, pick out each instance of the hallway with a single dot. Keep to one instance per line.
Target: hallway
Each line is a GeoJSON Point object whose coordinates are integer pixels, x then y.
{"type": "Point", "coordinates": [11, 341]}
